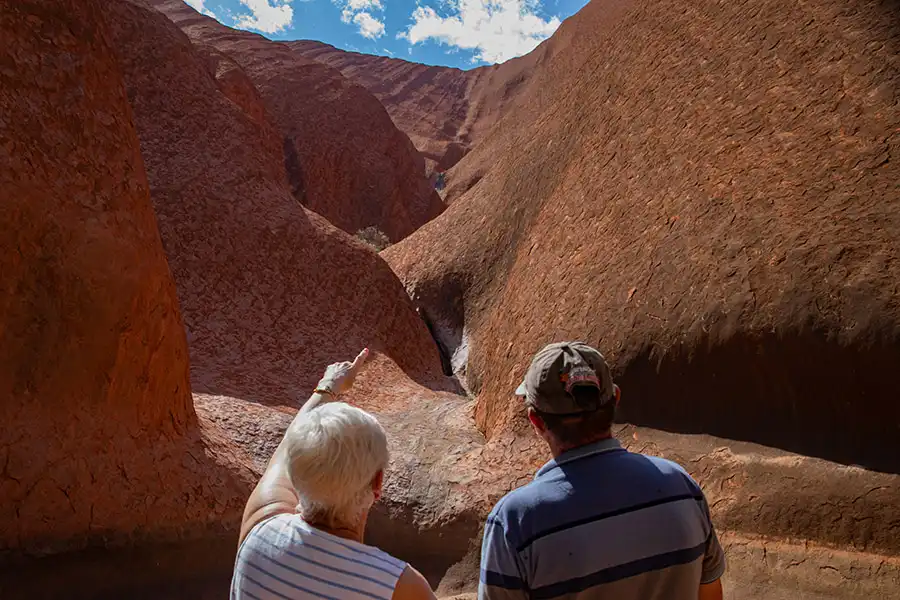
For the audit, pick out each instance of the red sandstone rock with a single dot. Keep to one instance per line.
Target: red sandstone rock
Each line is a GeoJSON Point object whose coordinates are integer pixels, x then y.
{"type": "Point", "coordinates": [718, 212]}
{"type": "Point", "coordinates": [444, 111]}
{"type": "Point", "coordinates": [447, 111]}
{"type": "Point", "coordinates": [270, 292]}
{"type": "Point", "coordinates": [708, 196]}
{"type": "Point", "coordinates": [576, 201]}
{"type": "Point", "coordinates": [344, 157]}
{"type": "Point", "coordinates": [99, 441]}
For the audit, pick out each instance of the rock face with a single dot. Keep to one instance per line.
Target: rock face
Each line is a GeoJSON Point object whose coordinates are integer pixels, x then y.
{"type": "Point", "coordinates": [445, 111]}
{"type": "Point", "coordinates": [710, 197]}
{"type": "Point", "coordinates": [100, 441]}
{"type": "Point", "coordinates": [344, 157]}
{"type": "Point", "coordinates": [270, 292]}
{"type": "Point", "coordinates": [704, 191]}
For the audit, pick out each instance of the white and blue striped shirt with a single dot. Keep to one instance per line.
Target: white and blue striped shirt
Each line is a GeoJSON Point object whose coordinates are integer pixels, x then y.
{"type": "Point", "coordinates": [600, 522]}
{"type": "Point", "coordinates": [285, 557]}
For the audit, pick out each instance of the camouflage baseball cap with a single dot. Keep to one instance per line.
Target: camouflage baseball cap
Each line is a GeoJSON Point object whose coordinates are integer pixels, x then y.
{"type": "Point", "coordinates": [556, 370]}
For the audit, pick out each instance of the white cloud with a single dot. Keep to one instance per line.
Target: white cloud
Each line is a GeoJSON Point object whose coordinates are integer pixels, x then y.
{"type": "Point", "coordinates": [356, 5]}
{"type": "Point", "coordinates": [496, 29]}
{"type": "Point", "coordinates": [268, 16]}
{"type": "Point", "coordinates": [359, 12]}
{"type": "Point", "coordinates": [369, 26]}
{"type": "Point", "coordinates": [199, 6]}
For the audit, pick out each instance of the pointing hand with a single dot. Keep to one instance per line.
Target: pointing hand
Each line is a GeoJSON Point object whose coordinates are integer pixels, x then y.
{"type": "Point", "coordinates": [339, 377]}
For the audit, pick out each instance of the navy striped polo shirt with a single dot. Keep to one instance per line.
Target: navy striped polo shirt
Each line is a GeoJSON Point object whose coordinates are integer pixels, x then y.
{"type": "Point", "coordinates": [601, 522]}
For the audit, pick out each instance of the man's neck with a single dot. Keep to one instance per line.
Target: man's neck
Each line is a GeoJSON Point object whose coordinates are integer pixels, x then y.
{"type": "Point", "coordinates": [558, 450]}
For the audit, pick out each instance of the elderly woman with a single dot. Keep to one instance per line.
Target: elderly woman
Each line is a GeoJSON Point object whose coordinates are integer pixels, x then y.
{"type": "Point", "coordinates": [302, 531]}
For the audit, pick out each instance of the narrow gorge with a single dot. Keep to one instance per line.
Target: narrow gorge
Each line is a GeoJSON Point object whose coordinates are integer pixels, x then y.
{"type": "Point", "coordinates": [706, 191]}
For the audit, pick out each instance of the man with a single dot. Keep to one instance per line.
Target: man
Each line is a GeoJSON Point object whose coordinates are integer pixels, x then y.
{"type": "Point", "coordinates": [598, 521]}
{"type": "Point", "coordinates": [303, 526]}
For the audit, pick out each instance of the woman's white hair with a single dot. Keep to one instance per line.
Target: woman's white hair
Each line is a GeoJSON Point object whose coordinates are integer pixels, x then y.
{"type": "Point", "coordinates": [334, 454]}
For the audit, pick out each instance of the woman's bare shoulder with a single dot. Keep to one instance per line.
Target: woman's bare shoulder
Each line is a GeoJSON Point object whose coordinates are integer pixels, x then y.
{"type": "Point", "coordinates": [412, 586]}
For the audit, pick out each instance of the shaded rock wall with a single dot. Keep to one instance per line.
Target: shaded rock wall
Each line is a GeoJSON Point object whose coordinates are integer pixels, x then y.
{"type": "Point", "coordinates": [270, 292]}
{"type": "Point", "coordinates": [100, 441]}
{"type": "Point", "coordinates": [710, 196]}
{"type": "Point", "coordinates": [445, 111]}
{"type": "Point", "coordinates": [345, 158]}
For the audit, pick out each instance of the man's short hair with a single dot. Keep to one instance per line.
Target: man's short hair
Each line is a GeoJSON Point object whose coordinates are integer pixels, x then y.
{"type": "Point", "coordinates": [334, 453]}
{"type": "Point", "coordinates": [576, 430]}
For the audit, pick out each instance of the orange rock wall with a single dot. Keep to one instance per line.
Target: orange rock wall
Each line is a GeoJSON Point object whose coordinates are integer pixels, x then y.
{"type": "Point", "coordinates": [271, 293]}
{"type": "Point", "coordinates": [344, 157]}
{"type": "Point", "coordinates": [710, 197]}
{"type": "Point", "coordinates": [94, 393]}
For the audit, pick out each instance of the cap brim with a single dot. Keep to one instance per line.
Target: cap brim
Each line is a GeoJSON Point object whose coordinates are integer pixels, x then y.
{"type": "Point", "coordinates": [520, 391]}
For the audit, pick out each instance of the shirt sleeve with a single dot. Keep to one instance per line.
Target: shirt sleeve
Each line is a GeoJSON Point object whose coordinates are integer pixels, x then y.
{"type": "Point", "coordinates": [501, 571]}
{"type": "Point", "coordinates": [714, 557]}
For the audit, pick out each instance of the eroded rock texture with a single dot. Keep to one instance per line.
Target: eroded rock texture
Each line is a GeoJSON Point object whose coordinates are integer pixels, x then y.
{"type": "Point", "coordinates": [704, 191]}
{"type": "Point", "coordinates": [344, 157]}
{"type": "Point", "coordinates": [710, 196]}
{"type": "Point", "coordinates": [446, 111]}
{"type": "Point", "coordinates": [443, 110]}
{"type": "Point", "coordinates": [270, 292]}
{"type": "Point", "coordinates": [99, 441]}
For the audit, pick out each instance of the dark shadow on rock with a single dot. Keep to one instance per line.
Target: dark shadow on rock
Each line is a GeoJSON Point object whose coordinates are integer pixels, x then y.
{"type": "Point", "coordinates": [803, 393]}
{"type": "Point", "coordinates": [433, 550]}
{"type": "Point", "coordinates": [294, 170]}
{"type": "Point", "coordinates": [199, 570]}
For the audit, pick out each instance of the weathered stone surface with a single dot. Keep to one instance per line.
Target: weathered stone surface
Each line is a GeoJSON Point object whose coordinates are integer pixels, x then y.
{"type": "Point", "coordinates": [446, 111]}
{"type": "Point", "coordinates": [700, 190]}
{"type": "Point", "coordinates": [443, 479]}
{"type": "Point", "coordinates": [715, 206]}
{"type": "Point", "coordinates": [270, 292]}
{"type": "Point", "coordinates": [344, 157]}
{"type": "Point", "coordinates": [100, 442]}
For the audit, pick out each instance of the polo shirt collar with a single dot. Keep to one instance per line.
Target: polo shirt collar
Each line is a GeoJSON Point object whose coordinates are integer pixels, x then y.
{"type": "Point", "coordinates": [598, 447]}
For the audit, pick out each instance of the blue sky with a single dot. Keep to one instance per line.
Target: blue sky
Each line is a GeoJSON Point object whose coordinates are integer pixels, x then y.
{"type": "Point", "coordinates": [456, 33]}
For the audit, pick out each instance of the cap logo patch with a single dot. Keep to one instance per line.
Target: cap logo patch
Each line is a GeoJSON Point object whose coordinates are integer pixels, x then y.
{"type": "Point", "coordinates": [580, 375]}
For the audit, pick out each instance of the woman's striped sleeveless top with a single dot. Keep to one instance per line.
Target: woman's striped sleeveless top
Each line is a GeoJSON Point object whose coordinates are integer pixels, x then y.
{"type": "Point", "coordinates": [284, 557]}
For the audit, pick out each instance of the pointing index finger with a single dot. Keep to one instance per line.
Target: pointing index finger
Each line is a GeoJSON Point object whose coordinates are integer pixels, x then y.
{"type": "Point", "coordinates": [360, 358]}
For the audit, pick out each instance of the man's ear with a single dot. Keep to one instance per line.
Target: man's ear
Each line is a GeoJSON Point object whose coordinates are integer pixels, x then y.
{"type": "Point", "coordinates": [536, 421]}
{"type": "Point", "coordinates": [378, 484]}
{"type": "Point", "coordinates": [618, 392]}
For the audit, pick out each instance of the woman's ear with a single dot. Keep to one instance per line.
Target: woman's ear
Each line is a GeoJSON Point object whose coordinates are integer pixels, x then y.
{"type": "Point", "coordinates": [378, 484]}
